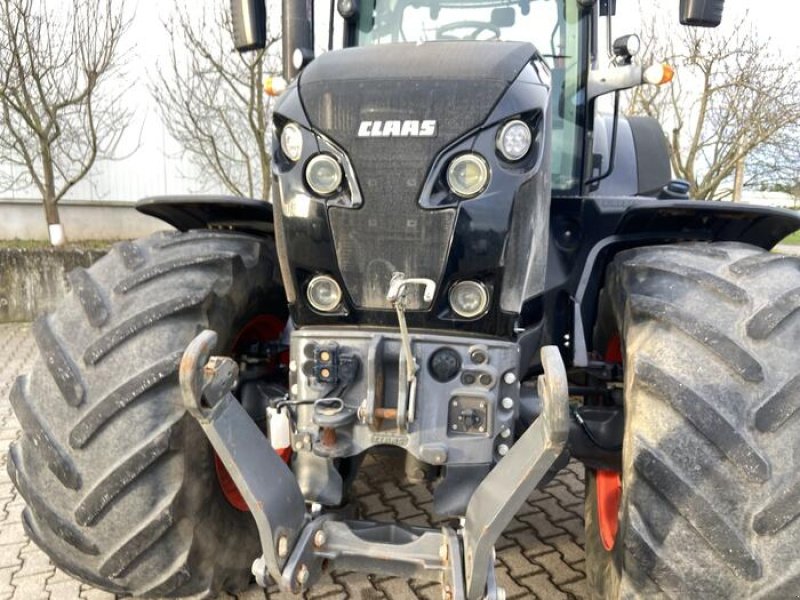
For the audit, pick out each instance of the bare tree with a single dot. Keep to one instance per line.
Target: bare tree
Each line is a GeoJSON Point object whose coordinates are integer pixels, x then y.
{"type": "Point", "coordinates": [59, 109]}
{"type": "Point", "coordinates": [212, 101]}
{"type": "Point", "coordinates": [732, 100]}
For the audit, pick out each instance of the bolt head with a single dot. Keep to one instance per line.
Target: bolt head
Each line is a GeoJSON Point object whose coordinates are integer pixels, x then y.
{"type": "Point", "coordinates": [506, 433]}
{"type": "Point", "coordinates": [302, 575]}
{"type": "Point", "coordinates": [507, 403]}
{"type": "Point", "coordinates": [502, 449]}
{"type": "Point", "coordinates": [293, 366]}
{"type": "Point", "coordinates": [282, 546]}
{"type": "Point", "coordinates": [320, 538]}
{"type": "Point", "coordinates": [509, 377]}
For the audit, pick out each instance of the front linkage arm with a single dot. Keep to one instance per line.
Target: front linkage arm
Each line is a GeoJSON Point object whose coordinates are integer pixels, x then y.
{"type": "Point", "coordinates": [296, 544]}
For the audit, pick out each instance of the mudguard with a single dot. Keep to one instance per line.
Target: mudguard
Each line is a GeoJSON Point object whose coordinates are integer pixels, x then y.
{"type": "Point", "coordinates": [211, 212]}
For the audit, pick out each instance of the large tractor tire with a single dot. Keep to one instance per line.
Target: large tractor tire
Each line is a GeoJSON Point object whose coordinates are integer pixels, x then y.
{"type": "Point", "coordinates": [120, 482]}
{"type": "Point", "coordinates": [710, 488]}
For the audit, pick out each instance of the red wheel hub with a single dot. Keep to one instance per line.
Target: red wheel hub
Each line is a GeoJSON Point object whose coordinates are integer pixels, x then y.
{"type": "Point", "coordinates": [609, 483]}
{"type": "Point", "coordinates": [609, 494]}
{"type": "Point", "coordinates": [263, 328]}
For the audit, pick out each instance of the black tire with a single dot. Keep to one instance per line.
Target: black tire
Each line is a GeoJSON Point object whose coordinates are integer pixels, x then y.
{"type": "Point", "coordinates": [710, 484]}
{"type": "Point", "coordinates": [118, 479]}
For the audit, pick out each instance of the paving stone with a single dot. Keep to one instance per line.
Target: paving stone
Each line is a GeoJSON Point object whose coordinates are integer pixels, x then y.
{"type": "Point", "coordinates": [6, 589]}
{"type": "Point", "coordinates": [360, 586]}
{"type": "Point", "coordinates": [64, 590]}
{"type": "Point", "coordinates": [34, 563]}
{"type": "Point", "coordinates": [9, 555]}
{"type": "Point", "coordinates": [518, 564]}
{"type": "Point", "coordinates": [396, 588]}
{"type": "Point", "coordinates": [12, 532]}
{"type": "Point", "coordinates": [564, 496]}
{"type": "Point", "coordinates": [554, 511]}
{"type": "Point", "coordinates": [530, 543]}
{"type": "Point", "coordinates": [404, 508]}
{"type": "Point", "coordinates": [567, 548]}
{"type": "Point", "coordinates": [543, 588]}
{"type": "Point", "coordinates": [576, 528]}
{"type": "Point", "coordinates": [30, 588]}
{"type": "Point", "coordinates": [558, 571]}
{"type": "Point", "coordinates": [514, 589]}
{"type": "Point", "coordinates": [541, 526]}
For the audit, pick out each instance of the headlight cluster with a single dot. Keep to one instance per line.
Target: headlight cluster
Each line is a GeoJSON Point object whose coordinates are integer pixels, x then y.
{"type": "Point", "coordinates": [469, 299]}
{"type": "Point", "coordinates": [292, 142]}
{"type": "Point", "coordinates": [468, 175]}
{"type": "Point", "coordinates": [324, 293]}
{"type": "Point", "coordinates": [514, 140]}
{"type": "Point", "coordinates": [323, 172]}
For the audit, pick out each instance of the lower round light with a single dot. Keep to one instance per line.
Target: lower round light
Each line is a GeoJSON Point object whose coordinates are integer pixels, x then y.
{"type": "Point", "coordinates": [514, 140]}
{"type": "Point", "coordinates": [292, 142]}
{"type": "Point", "coordinates": [324, 294]}
{"type": "Point", "coordinates": [469, 299]}
{"type": "Point", "coordinates": [468, 175]}
{"type": "Point", "coordinates": [323, 174]}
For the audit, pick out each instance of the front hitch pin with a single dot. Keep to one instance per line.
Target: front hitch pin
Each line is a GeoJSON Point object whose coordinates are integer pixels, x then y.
{"type": "Point", "coordinates": [397, 295]}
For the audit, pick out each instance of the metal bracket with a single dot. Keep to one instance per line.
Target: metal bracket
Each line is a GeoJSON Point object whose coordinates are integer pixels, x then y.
{"type": "Point", "coordinates": [296, 548]}
{"type": "Point", "coordinates": [276, 503]}
{"type": "Point", "coordinates": [501, 494]}
{"type": "Point", "coordinates": [377, 548]}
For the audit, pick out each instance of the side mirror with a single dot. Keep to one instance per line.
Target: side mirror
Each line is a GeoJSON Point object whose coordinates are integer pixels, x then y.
{"type": "Point", "coordinates": [608, 8]}
{"type": "Point", "coordinates": [249, 24]}
{"type": "Point", "coordinates": [701, 13]}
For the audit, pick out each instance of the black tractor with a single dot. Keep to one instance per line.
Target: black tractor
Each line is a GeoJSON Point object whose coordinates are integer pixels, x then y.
{"type": "Point", "coordinates": [463, 262]}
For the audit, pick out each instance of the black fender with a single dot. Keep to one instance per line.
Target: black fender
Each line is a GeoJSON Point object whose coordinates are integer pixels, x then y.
{"type": "Point", "coordinates": [233, 213]}
{"type": "Point", "coordinates": [586, 234]}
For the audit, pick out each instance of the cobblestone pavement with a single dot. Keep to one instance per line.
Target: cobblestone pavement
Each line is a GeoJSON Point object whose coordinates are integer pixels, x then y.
{"type": "Point", "coordinates": [539, 556]}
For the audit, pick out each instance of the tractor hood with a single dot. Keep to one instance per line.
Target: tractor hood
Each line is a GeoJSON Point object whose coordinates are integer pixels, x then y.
{"type": "Point", "coordinates": [394, 115]}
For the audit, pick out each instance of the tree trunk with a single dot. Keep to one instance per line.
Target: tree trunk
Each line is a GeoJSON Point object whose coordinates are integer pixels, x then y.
{"type": "Point", "coordinates": [55, 230]}
{"type": "Point", "coordinates": [738, 180]}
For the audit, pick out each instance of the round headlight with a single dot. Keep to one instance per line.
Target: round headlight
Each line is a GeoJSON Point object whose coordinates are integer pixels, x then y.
{"type": "Point", "coordinates": [468, 175]}
{"type": "Point", "coordinates": [469, 299]}
{"type": "Point", "coordinates": [323, 174]}
{"type": "Point", "coordinates": [514, 140]}
{"type": "Point", "coordinates": [292, 142]}
{"type": "Point", "coordinates": [324, 294]}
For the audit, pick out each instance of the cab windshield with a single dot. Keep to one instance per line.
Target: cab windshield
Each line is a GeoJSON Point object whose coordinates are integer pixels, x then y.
{"type": "Point", "coordinates": [552, 26]}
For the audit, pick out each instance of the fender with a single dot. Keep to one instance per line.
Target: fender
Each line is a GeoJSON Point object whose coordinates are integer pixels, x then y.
{"type": "Point", "coordinates": [587, 233]}
{"type": "Point", "coordinates": [245, 215]}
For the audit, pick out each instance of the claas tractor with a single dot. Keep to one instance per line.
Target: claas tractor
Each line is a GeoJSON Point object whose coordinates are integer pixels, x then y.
{"type": "Point", "coordinates": [465, 268]}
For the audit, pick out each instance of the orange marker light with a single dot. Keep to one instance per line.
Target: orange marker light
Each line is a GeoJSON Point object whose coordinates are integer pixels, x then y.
{"type": "Point", "coordinates": [658, 74]}
{"type": "Point", "coordinates": [274, 86]}
{"type": "Point", "coordinates": [669, 73]}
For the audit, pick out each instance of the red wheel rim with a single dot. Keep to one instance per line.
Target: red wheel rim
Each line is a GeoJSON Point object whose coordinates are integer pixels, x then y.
{"type": "Point", "coordinates": [609, 483]}
{"type": "Point", "coordinates": [262, 328]}
{"type": "Point", "coordinates": [609, 494]}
